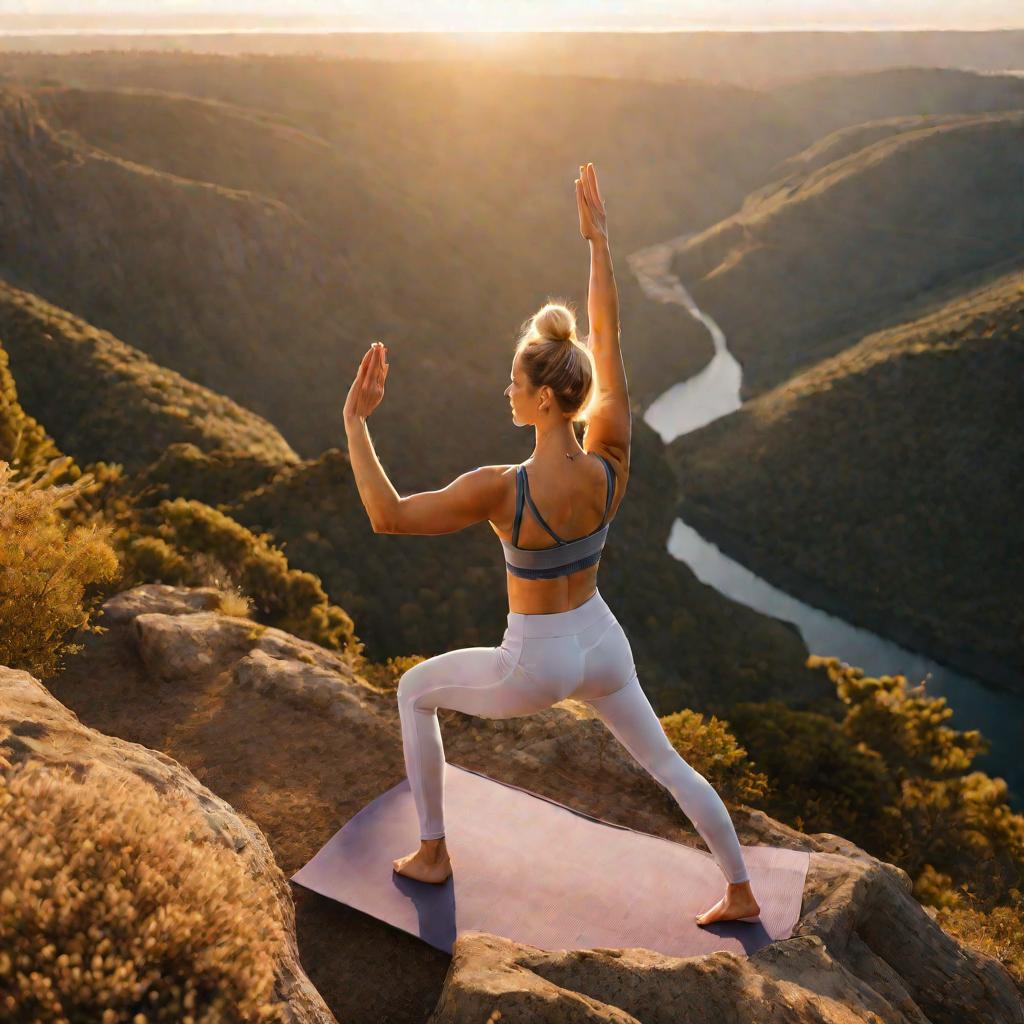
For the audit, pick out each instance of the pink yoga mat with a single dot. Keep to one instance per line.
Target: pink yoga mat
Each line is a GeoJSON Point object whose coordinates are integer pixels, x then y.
{"type": "Point", "coordinates": [533, 870]}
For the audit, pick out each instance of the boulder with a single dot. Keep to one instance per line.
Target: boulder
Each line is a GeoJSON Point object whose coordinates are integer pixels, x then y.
{"type": "Point", "coordinates": [178, 646]}
{"type": "Point", "coordinates": [158, 597]}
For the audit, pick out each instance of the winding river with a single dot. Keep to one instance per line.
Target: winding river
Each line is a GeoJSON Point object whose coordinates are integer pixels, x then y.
{"type": "Point", "coordinates": [715, 392]}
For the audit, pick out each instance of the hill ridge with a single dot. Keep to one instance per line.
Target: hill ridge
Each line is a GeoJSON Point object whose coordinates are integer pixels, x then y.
{"type": "Point", "coordinates": [99, 378]}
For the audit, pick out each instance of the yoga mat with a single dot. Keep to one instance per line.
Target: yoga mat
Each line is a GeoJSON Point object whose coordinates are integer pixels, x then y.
{"type": "Point", "coordinates": [535, 871]}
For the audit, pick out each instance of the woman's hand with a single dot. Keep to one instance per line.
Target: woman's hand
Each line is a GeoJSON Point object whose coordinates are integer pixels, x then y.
{"type": "Point", "coordinates": [367, 389]}
{"type": "Point", "coordinates": [593, 225]}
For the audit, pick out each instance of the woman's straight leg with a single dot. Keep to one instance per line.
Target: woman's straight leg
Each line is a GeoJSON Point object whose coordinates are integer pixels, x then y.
{"type": "Point", "coordinates": [628, 714]}
{"type": "Point", "coordinates": [481, 681]}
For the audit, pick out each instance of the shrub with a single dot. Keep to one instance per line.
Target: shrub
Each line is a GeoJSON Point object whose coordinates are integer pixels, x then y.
{"type": "Point", "coordinates": [998, 931]}
{"type": "Point", "coordinates": [387, 674]}
{"type": "Point", "coordinates": [892, 776]}
{"type": "Point", "coordinates": [187, 543]}
{"type": "Point", "coordinates": [23, 441]}
{"type": "Point", "coordinates": [48, 570]}
{"type": "Point", "coordinates": [115, 906]}
{"type": "Point", "coordinates": [820, 779]}
{"type": "Point", "coordinates": [712, 750]}
{"type": "Point", "coordinates": [945, 815]}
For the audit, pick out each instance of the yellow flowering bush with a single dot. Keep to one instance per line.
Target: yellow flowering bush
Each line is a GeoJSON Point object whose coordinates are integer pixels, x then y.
{"type": "Point", "coordinates": [116, 905]}
{"type": "Point", "coordinates": [712, 750]}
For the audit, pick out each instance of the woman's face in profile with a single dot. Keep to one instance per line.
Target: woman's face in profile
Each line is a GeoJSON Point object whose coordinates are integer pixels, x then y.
{"type": "Point", "coordinates": [516, 390]}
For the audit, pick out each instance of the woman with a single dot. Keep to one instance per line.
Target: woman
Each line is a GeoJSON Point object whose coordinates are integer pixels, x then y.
{"type": "Point", "coordinates": [562, 638]}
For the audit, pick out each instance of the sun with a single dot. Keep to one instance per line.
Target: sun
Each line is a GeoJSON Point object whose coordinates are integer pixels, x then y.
{"type": "Point", "coordinates": [472, 20]}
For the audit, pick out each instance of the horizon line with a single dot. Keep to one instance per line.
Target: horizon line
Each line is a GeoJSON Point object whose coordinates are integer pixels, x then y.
{"type": "Point", "coordinates": [271, 29]}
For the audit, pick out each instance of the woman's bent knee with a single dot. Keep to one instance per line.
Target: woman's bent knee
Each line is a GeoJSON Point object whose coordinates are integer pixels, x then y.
{"type": "Point", "coordinates": [410, 685]}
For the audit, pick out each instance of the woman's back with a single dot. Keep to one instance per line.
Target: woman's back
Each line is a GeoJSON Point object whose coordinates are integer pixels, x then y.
{"type": "Point", "coordinates": [572, 507]}
{"type": "Point", "coordinates": [578, 504]}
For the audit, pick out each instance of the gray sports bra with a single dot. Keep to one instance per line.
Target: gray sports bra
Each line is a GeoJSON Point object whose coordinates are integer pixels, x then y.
{"type": "Point", "coordinates": [565, 556]}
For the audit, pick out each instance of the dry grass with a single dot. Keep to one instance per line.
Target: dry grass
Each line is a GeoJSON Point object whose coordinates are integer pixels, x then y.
{"type": "Point", "coordinates": [236, 604]}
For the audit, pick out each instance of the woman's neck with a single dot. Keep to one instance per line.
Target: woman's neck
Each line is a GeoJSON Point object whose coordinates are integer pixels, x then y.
{"type": "Point", "coordinates": [559, 443]}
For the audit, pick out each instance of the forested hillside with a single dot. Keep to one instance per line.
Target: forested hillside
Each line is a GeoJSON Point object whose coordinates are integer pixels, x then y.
{"type": "Point", "coordinates": [855, 234]}
{"type": "Point", "coordinates": [885, 483]}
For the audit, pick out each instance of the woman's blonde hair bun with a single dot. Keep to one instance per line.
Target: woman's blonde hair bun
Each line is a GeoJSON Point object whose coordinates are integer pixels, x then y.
{"type": "Point", "coordinates": [553, 356]}
{"type": "Point", "coordinates": [555, 322]}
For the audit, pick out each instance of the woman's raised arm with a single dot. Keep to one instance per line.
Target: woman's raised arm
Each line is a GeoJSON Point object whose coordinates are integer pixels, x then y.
{"type": "Point", "coordinates": [610, 425]}
{"type": "Point", "coordinates": [603, 299]}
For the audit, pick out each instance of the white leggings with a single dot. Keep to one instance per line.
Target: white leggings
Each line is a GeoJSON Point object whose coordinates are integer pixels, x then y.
{"type": "Point", "coordinates": [582, 653]}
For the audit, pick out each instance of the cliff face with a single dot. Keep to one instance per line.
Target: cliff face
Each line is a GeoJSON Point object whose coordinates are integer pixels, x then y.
{"type": "Point", "coordinates": [297, 740]}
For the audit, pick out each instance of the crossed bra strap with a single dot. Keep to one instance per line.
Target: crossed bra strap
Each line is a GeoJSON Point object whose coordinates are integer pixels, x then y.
{"type": "Point", "coordinates": [523, 490]}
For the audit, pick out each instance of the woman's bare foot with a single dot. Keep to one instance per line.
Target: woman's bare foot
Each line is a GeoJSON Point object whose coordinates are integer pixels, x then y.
{"type": "Point", "coordinates": [430, 863]}
{"type": "Point", "coordinates": [737, 902]}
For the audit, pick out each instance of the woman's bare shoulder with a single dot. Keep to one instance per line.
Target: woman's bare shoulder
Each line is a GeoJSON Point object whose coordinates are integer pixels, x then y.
{"type": "Point", "coordinates": [617, 456]}
{"type": "Point", "coordinates": [618, 459]}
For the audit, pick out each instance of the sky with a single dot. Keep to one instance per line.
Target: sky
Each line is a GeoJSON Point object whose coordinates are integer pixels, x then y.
{"type": "Point", "coordinates": [497, 15]}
